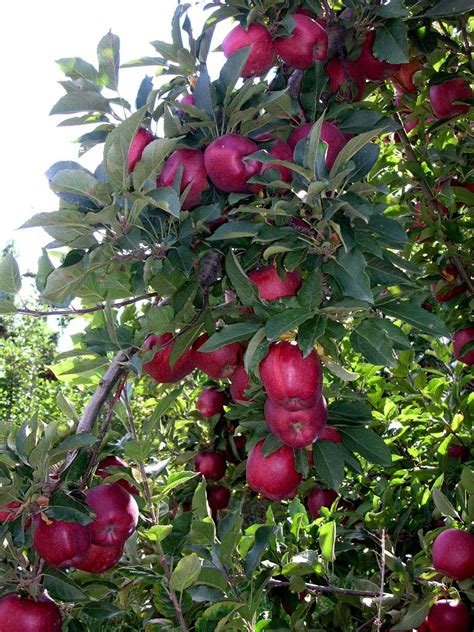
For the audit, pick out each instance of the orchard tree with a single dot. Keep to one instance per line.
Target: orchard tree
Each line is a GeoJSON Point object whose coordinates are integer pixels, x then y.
{"type": "Point", "coordinates": [274, 264]}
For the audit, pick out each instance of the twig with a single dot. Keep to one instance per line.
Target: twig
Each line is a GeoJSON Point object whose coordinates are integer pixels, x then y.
{"type": "Point", "coordinates": [378, 621]}
{"type": "Point", "coordinates": [467, 43]}
{"type": "Point", "coordinates": [336, 590]}
{"type": "Point", "coordinates": [327, 8]}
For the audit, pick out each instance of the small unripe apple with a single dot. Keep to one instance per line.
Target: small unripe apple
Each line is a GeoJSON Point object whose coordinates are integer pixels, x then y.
{"type": "Point", "coordinates": [18, 614]}
{"type": "Point", "coordinates": [453, 554]}
{"type": "Point", "coordinates": [210, 464]}
{"type": "Point", "coordinates": [225, 165]}
{"type": "Point", "coordinates": [115, 461]}
{"type": "Point", "coordinates": [211, 402]}
{"type": "Point", "coordinates": [274, 476]}
{"type": "Point", "coordinates": [307, 43]}
{"type": "Point", "coordinates": [448, 615]}
{"type": "Point", "coordinates": [100, 558]}
{"type": "Point", "coordinates": [239, 382]}
{"type": "Point", "coordinates": [116, 514]}
{"type": "Point", "coordinates": [373, 68]}
{"type": "Point", "coordinates": [159, 366]}
{"type": "Point", "coordinates": [403, 78]}
{"type": "Point", "coordinates": [262, 51]}
{"type": "Point", "coordinates": [271, 286]}
{"type": "Point", "coordinates": [330, 135]}
{"type": "Point", "coordinates": [7, 511]}
{"type": "Point", "coordinates": [443, 96]}
{"type": "Point", "coordinates": [320, 497]}
{"type": "Point", "coordinates": [220, 363]}
{"type": "Point", "coordinates": [297, 428]}
{"type": "Point", "coordinates": [346, 80]}
{"type": "Point", "coordinates": [329, 434]}
{"type": "Point", "coordinates": [61, 543]}
{"type": "Point", "coordinates": [460, 452]}
{"type": "Point", "coordinates": [193, 173]}
{"type": "Point", "coordinates": [218, 497]}
{"type": "Point", "coordinates": [142, 138]}
{"type": "Point", "coordinates": [460, 339]}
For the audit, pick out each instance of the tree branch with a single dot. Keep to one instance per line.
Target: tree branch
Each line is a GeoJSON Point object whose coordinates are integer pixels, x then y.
{"type": "Point", "coordinates": [336, 590]}
{"type": "Point", "coordinates": [467, 44]}
{"type": "Point", "coordinates": [378, 621]}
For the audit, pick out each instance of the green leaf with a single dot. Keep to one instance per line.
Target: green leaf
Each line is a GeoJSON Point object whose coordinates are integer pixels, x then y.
{"type": "Point", "coordinates": [271, 445]}
{"type": "Point", "coordinates": [382, 272]}
{"type": "Point", "coordinates": [199, 502]}
{"type": "Point", "coordinates": [229, 334]}
{"type": "Point", "coordinates": [391, 9]}
{"type": "Point", "coordinates": [415, 316]}
{"type": "Point", "coordinates": [371, 340]}
{"type": "Point", "coordinates": [117, 146]}
{"type": "Point", "coordinates": [444, 505]}
{"type": "Point", "coordinates": [309, 295]}
{"type": "Point", "coordinates": [285, 321]}
{"type": "Point", "coordinates": [314, 143]}
{"type": "Point", "coordinates": [450, 7]}
{"type": "Point", "coordinates": [256, 350]}
{"type": "Point", "coordinates": [60, 586]}
{"type": "Point", "coordinates": [232, 70]}
{"type": "Point", "coordinates": [348, 411]}
{"type": "Point", "coordinates": [388, 228]}
{"type": "Point", "coordinates": [246, 290]}
{"type": "Point", "coordinates": [262, 538]}
{"type": "Point", "coordinates": [158, 532]}
{"type": "Point", "coordinates": [391, 42]}
{"type": "Point", "coordinates": [234, 230]}
{"type": "Point", "coordinates": [184, 341]}
{"type": "Point", "coordinates": [309, 332]}
{"type": "Point", "coordinates": [368, 444]}
{"type": "Point", "coordinates": [351, 148]}
{"type": "Point", "coordinates": [153, 157]}
{"type": "Point", "coordinates": [10, 281]}
{"type": "Point", "coordinates": [348, 270]}
{"type": "Point", "coordinates": [81, 101]}
{"type": "Point", "coordinates": [327, 540]}
{"type": "Point", "coordinates": [415, 615]}
{"type": "Point", "coordinates": [80, 182]}
{"type": "Point", "coordinates": [7, 307]}
{"type": "Point", "coordinates": [108, 54]}
{"type": "Point", "coordinates": [186, 572]}
{"type": "Point", "coordinates": [77, 68]}
{"type": "Point", "coordinates": [329, 463]}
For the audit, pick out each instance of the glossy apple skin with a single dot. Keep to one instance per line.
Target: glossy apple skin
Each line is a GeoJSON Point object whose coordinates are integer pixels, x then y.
{"type": "Point", "coordinates": [211, 402]}
{"type": "Point", "coordinates": [100, 558]}
{"type": "Point", "coordinates": [223, 160]}
{"type": "Point", "coordinates": [448, 616]}
{"type": "Point", "coordinates": [159, 366]}
{"type": "Point", "coordinates": [460, 452]}
{"type": "Point", "coordinates": [262, 50]}
{"type": "Point", "coordinates": [453, 554]}
{"type": "Point", "coordinates": [61, 543]}
{"type": "Point", "coordinates": [115, 461]}
{"type": "Point", "coordinates": [461, 338]}
{"type": "Point", "coordinates": [275, 475]}
{"type": "Point", "coordinates": [142, 138]}
{"type": "Point", "coordinates": [239, 382]}
{"type": "Point", "coordinates": [330, 134]}
{"type": "Point", "coordinates": [443, 95]}
{"type": "Point", "coordinates": [307, 43]}
{"type": "Point", "coordinates": [373, 68]}
{"type": "Point", "coordinates": [116, 514]}
{"type": "Point", "coordinates": [320, 497]}
{"type": "Point", "coordinates": [346, 80]}
{"type": "Point", "coordinates": [271, 286]}
{"type": "Point", "coordinates": [218, 497]}
{"type": "Point", "coordinates": [297, 428]}
{"type": "Point", "coordinates": [289, 379]}
{"type": "Point", "coordinates": [25, 615]}
{"type": "Point", "coordinates": [329, 434]}
{"type": "Point", "coordinates": [7, 513]}
{"type": "Point", "coordinates": [220, 363]}
{"type": "Point", "coordinates": [194, 174]}
{"type": "Point", "coordinates": [211, 465]}
{"type": "Point", "coordinates": [403, 78]}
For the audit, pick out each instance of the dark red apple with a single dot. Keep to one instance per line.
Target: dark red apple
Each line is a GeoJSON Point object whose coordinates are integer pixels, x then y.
{"type": "Point", "coordinates": [7, 511]}
{"type": "Point", "coordinates": [373, 68]}
{"type": "Point", "coordinates": [346, 80]}
{"type": "Point", "coordinates": [403, 78]}
{"type": "Point", "coordinates": [307, 43]}
{"type": "Point", "coordinates": [211, 465]}
{"type": "Point", "coordinates": [194, 173]}
{"type": "Point", "coordinates": [274, 476]}
{"type": "Point", "coordinates": [448, 615]}
{"type": "Point", "coordinates": [211, 402]}
{"type": "Point", "coordinates": [225, 165]}
{"type": "Point", "coordinates": [18, 614]}
{"type": "Point", "coordinates": [159, 366]}
{"type": "Point", "coordinates": [271, 286]}
{"type": "Point", "coordinates": [460, 452]}
{"type": "Point", "coordinates": [320, 497]}
{"type": "Point", "coordinates": [100, 558]}
{"type": "Point", "coordinates": [61, 543]}
{"type": "Point", "coordinates": [297, 428]}
{"type": "Point", "coordinates": [262, 51]}
{"type": "Point", "coordinates": [142, 138]}
{"type": "Point", "coordinates": [291, 380]}
{"type": "Point", "coordinates": [220, 363]}
{"type": "Point", "coordinates": [453, 554]}
{"type": "Point", "coordinates": [329, 434]}
{"type": "Point", "coordinates": [460, 339]}
{"type": "Point", "coordinates": [115, 461]}
{"type": "Point", "coordinates": [333, 138]}
{"type": "Point", "coordinates": [424, 627]}
{"type": "Point", "coordinates": [218, 497]}
{"type": "Point", "coordinates": [116, 514]}
{"type": "Point", "coordinates": [239, 382]}
{"type": "Point", "coordinates": [443, 96]}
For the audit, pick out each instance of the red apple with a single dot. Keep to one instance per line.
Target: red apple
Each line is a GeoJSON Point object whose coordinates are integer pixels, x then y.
{"type": "Point", "coordinates": [320, 497]}
{"type": "Point", "coordinates": [194, 174]}
{"type": "Point", "coordinates": [18, 614]}
{"type": "Point", "coordinates": [100, 558]}
{"type": "Point", "coordinates": [403, 78]}
{"type": "Point", "coordinates": [329, 434]}
{"type": "Point", "coordinates": [218, 497]}
{"type": "Point", "coordinates": [188, 99]}
{"type": "Point", "coordinates": [210, 464]}
{"type": "Point", "coordinates": [275, 475]}
{"type": "Point", "coordinates": [333, 138]}
{"type": "Point", "coordinates": [220, 363]}
{"type": "Point", "coordinates": [460, 452]}
{"type": "Point", "coordinates": [289, 379]}
{"type": "Point", "coordinates": [159, 366]}
{"type": "Point", "coordinates": [7, 511]}
{"type": "Point", "coordinates": [443, 97]}
{"type": "Point", "coordinates": [239, 382]}
{"type": "Point", "coordinates": [211, 402]}
{"type": "Point", "coordinates": [307, 43]}
{"type": "Point", "coordinates": [460, 339]}
{"type": "Point", "coordinates": [116, 514]}
{"type": "Point", "coordinates": [373, 68]}
{"type": "Point", "coordinates": [297, 428]}
{"type": "Point", "coordinates": [271, 286]}
{"type": "Point", "coordinates": [453, 554]}
{"type": "Point", "coordinates": [346, 80]}
{"type": "Point", "coordinates": [223, 159]}
{"type": "Point", "coordinates": [448, 615]}
{"type": "Point", "coordinates": [61, 543]}
{"type": "Point", "coordinates": [424, 627]}
{"type": "Point", "coordinates": [115, 461]}
{"type": "Point", "coordinates": [142, 138]}
{"type": "Point", "coordinates": [262, 51]}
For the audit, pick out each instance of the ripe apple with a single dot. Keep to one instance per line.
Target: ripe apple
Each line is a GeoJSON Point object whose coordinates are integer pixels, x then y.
{"type": "Point", "coordinates": [460, 339]}
{"type": "Point", "coordinates": [443, 96]}
{"type": "Point", "coordinates": [453, 554]}
{"type": "Point", "coordinates": [142, 138]}
{"type": "Point", "coordinates": [460, 452]}
{"type": "Point", "coordinates": [262, 51]}
{"type": "Point", "coordinates": [328, 433]}
{"type": "Point", "coordinates": [116, 514]}
{"type": "Point", "coordinates": [210, 464]}
{"type": "Point", "coordinates": [7, 511]}
{"type": "Point", "coordinates": [373, 68]}
{"type": "Point", "coordinates": [297, 428]}
{"type": "Point", "coordinates": [320, 497]}
{"type": "Point", "coordinates": [346, 80]}
{"type": "Point", "coordinates": [403, 78]}
{"type": "Point", "coordinates": [100, 558]}
{"type": "Point", "coordinates": [307, 43]}
{"type": "Point", "coordinates": [239, 443]}
{"type": "Point", "coordinates": [274, 476]}
{"type": "Point", "coordinates": [448, 615]}
{"type": "Point", "coordinates": [289, 379]}
{"type": "Point", "coordinates": [225, 165]}
{"type": "Point", "coordinates": [194, 174]}
{"type": "Point", "coordinates": [61, 543]}
{"type": "Point", "coordinates": [239, 382]}
{"type": "Point", "coordinates": [115, 461]}
{"type": "Point", "coordinates": [424, 627]}
{"type": "Point", "coordinates": [159, 366]}
{"type": "Point", "coordinates": [333, 138]}
{"type": "Point", "coordinates": [218, 497]}
{"type": "Point", "coordinates": [271, 286]}
{"type": "Point", "coordinates": [448, 288]}
{"type": "Point", "coordinates": [220, 363]}
{"type": "Point", "coordinates": [18, 614]}
{"type": "Point", "coordinates": [211, 402]}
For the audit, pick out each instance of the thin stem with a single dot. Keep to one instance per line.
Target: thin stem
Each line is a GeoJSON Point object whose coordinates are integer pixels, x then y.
{"type": "Point", "coordinates": [335, 590]}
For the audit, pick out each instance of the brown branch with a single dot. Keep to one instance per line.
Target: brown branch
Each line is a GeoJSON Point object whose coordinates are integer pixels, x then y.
{"type": "Point", "coordinates": [376, 595]}
{"type": "Point", "coordinates": [378, 620]}
{"type": "Point", "coordinates": [466, 42]}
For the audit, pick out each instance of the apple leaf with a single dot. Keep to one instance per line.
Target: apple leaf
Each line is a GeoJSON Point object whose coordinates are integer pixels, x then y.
{"type": "Point", "coordinates": [327, 540]}
{"type": "Point", "coordinates": [373, 343]}
{"type": "Point", "coordinates": [234, 230]}
{"type": "Point", "coordinates": [368, 444]}
{"type": "Point", "coordinates": [285, 321]}
{"type": "Point", "coordinates": [77, 68]}
{"type": "Point", "coordinates": [415, 316]}
{"type": "Point", "coordinates": [414, 615]}
{"type": "Point", "coordinates": [329, 463]}
{"type": "Point", "coordinates": [185, 573]}
{"type": "Point", "coordinates": [108, 54]}
{"type": "Point", "coordinates": [246, 290]}
{"type": "Point", "coordinates": [345, 411]}
{"type": "Point", "coordinates": [10, 280]}
{"type": "Point", "coordinates": [391, 42]}
{"type": "Point", "coordinates": [153, 157]}
{"type": "Point", "coordinates": [391, 9]}
{"type": "Point", "coordinates": [229, 334]}
{"type": "Point", "coordinates": [309, 332]}
{"type": "Point", "coordinates": [262, 538]}
{"type": "Point", "coordinates": [348, 269]}
{"type": "Point", "coordinates": [117, 146]}
{"type": "Point", "coordinates": [444, 505]}
{"type": "Point", "coordinates": [450, 7]}
{"type": "Point", "coordinates": [60, 586]}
